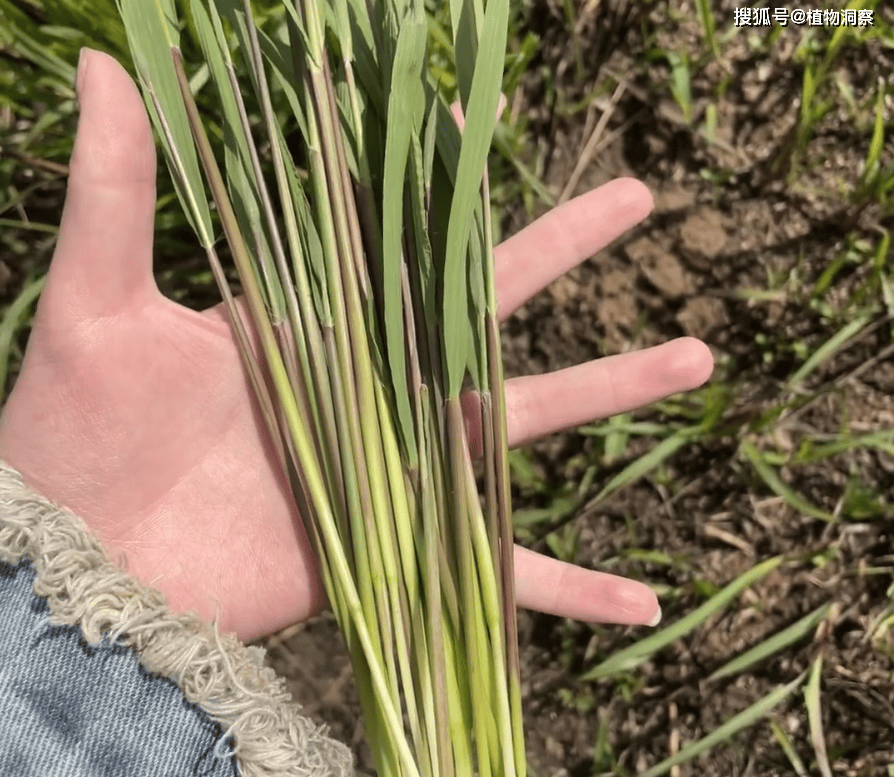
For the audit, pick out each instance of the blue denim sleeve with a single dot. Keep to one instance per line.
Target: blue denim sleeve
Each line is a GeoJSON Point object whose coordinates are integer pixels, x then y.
{"type": "Point", "coordinates": [98, 677]}
{"type": "Point", "coordinates": [68, 707]}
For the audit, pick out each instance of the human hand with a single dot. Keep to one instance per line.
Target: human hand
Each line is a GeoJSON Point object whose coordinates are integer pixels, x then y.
{"type": "Point", "coordinates": [135, 413]}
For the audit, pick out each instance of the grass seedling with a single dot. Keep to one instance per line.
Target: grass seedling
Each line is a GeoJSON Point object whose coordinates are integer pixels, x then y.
{"type": "Point", "coordinates": [775, 483]}
{"type": "Point", "coordinates": [829, 348]}
{"type": "Point", "coordinates": [872, 165]}
{"type": "Point", "coordinates": [815, 716]}
{"type": "Point", "coordinates": [13, 319]}
{"type": "Point", "coordinates": [706, 18]}
{"type": "Point", "coordinates": [819, 60]}
{"type": "Point", "coordinates": [728, 730]}
{"type": "Point", "coordinates": [681, 83]}
{"type": "Point", "coordinates": [644, 649]}
{"type": "Point", "coordinates": [788, 747]}
{"type": "Point", "coordinates": [774, 644]}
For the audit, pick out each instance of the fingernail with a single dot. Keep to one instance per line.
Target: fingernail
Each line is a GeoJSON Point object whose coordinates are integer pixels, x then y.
{"type": "Point", "coordinates": [657, 619]}
{"type": "Point", "coordinates": [82, 70]}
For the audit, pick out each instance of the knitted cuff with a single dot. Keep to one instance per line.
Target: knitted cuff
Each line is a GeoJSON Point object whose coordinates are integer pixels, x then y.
{"type": "Point", "coordinates": [219, 674]}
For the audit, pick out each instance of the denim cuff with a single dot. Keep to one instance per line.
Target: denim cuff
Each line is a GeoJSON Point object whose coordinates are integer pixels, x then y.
{"type": "Point", "coordinates": [80, 596]}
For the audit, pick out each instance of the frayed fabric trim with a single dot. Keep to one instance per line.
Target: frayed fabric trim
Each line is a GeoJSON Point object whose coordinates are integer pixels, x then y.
{"type": "Point", "coordinates": [217, 672]}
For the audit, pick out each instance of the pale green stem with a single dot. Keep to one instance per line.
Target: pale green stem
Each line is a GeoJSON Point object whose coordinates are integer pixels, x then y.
{"type": "Point", "coordinates": [459, 712]}
{"type": "Point", "coordinates": [463, 511]}
{"type": "Point", "coordinates": [366, 440]}
{"type": "Point", "coordinates": [311, 474]}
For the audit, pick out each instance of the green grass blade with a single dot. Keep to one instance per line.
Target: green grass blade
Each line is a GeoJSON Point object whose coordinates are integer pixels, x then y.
{"type": "Point", "coordinates": [788, 748]}
{"type": "Point", "coordinates": [423, 267]}
{"type": "Point", "coordinates": [29, 226]}
{"type": "Point", "coordinates": [406, 106]}
{"type": "Point", "coordinates": [706, 17]}
{"type": "Point", "coordinates": [429, 144]}
{"type": "Point", "coordinates": [728, 730]}
{"type": "Point", "coordinates": [880, 441]}
{"type": "Point", "coordinates": [617, 435]}
{"type": "Point", "coordinates": [644, 464]}
{"type": "Point", "coordinates": [876, 144]}
{"type": "Point", "coordinates": [152, 31]}
{"type": "Point", "coordinates": [777, 486]}
{"type": "Point", "coordinates": [681, 83]}
{"type": "Point", "coordinates": [815, 716]}
{"type": "Point", "coordinates": [641, 651]}
{"type": "Point", "coordinates": [483, 101]}
{"type": "Point", "coordinates": [829, 348]}
{"type": "Point", "coordinates": [13, 319]}
{"type": "Point", "coordinates": [625, 426]}
{"type": "Point", "coordinates": [880, 261]}
{"type": "Point", "coordinates": [465, 20]}
{"type": "Point", "coordinates": [808, 91]}
{"type": "Point", "coordinates": [312, 248]}
{"type": "Point", "coordinates": [774, 644]}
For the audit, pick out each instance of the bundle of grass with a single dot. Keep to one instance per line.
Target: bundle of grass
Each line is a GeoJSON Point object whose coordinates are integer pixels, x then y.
{"type": "Point", "coordinates": [369, 306]}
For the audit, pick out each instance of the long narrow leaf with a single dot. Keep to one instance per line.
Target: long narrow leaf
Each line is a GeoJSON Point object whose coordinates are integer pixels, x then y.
{"type": "Point", "coordinates": [726, 731]}
{"type": "Point", "coordinates": [777, 486]}
{"type": "Point", "coordinates": [815, 716]}
{"type": "Point", "coordinates": [641, 651]}
{"type": "Point", "coordinates": [788, 748]}
{"type": "Point", "coordinates": [151, 32]}
{"type": "Point", "coordinates": [482, 105]}
{"type": "Point", "coordinates": [774, 644]}
{"type": "Point", "coordinates": [829, 348]}
{"type": "Point", "coordinates": [13, 319]}
{"type": "Point", "coordinates": [406, 104]}
{"type": "Point", "coordinates": [644, 464]}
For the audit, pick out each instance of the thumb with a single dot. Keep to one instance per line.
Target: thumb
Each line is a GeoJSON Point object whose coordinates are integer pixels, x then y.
{"type": "Point", "coordinates": [103, 258]}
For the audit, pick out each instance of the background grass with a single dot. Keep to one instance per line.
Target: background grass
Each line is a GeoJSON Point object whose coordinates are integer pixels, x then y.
{"type": "Point", "coordinates": [759, 506]}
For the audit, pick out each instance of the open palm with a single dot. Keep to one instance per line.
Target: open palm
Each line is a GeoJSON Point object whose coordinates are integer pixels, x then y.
{"type": "Point", "coordinates": [134, 412]}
